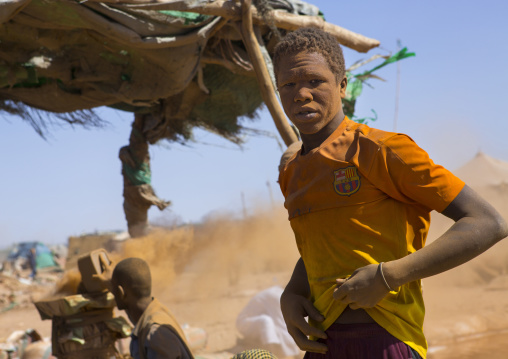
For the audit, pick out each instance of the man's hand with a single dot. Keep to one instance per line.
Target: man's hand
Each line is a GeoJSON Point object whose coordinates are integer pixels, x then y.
{"type": "Point", "coordinates": [294, 310]}
{"type": "Point", "coordinates": [104, 278]}
{"type": "Point", "coordinates": [363, 289]}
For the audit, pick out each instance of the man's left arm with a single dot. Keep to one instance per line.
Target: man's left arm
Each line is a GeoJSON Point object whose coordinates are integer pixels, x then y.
{"type": "Point", "coordinates": [478, 226]}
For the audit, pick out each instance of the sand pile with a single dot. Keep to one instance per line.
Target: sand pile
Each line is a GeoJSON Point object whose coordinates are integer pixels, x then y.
{"type": "Point", "coordinates": [467, 314]}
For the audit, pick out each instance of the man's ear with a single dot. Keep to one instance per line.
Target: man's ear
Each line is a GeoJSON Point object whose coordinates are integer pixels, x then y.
{"type": "Point", "coordinates": [343, 86]}
{"type": "Point", "coordinates": [121, 291]}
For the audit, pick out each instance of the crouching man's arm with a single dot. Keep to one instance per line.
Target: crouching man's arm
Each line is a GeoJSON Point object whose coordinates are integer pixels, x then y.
{"type": "Point", "coordinates": [163, 343]}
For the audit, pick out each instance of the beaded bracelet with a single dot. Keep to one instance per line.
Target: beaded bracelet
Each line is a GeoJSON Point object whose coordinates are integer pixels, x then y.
{"type": "Point", "coordinates": [383, 276]}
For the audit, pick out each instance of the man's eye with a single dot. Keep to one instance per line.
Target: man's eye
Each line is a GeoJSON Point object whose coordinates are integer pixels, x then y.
{"type": "Point", "coordinates": [289, 84]}
{"type": "Point", "coordinates": [316, 82]}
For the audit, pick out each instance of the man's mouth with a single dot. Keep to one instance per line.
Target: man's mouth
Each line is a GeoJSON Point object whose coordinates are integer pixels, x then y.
{"type": "Point", "coordinates": [305, 115]}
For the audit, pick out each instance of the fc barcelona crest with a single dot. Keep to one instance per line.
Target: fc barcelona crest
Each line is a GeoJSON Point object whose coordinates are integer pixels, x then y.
{"type": "Point", "coordinates": [347, 181]}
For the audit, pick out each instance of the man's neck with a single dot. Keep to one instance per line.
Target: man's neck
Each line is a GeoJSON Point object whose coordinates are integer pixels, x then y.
{"type": "Point", "coordinates": [136, 310]}
{"type": "Point", "coordinates": [311, 141]}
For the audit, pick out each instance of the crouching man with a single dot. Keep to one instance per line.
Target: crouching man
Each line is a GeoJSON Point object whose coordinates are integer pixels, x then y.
{"type": "Point", "coordinates": [156, 333]}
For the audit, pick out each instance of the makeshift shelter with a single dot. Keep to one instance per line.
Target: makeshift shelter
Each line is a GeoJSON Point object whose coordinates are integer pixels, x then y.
{"type": "Point", "coordinates": [176, 64]}
{"type": "Point", "coordinates": [43, 255]}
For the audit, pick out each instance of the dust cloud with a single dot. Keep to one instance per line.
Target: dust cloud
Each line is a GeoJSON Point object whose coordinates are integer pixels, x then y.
{"type": "Point", "coordinates": [162, 249]}
{"type": "Point", "coordinates": [67, 285]}
{"type": "Point", "coordinates": [206, 273]}
{"type": "Point", "coordinates": [219, 253]}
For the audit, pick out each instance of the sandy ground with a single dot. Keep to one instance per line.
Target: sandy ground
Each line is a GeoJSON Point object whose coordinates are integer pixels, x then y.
{"type": "Point", "coordinates": [206, 275]}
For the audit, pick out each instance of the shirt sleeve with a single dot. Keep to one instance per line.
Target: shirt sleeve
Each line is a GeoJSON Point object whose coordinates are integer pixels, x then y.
{"type": "Point", "coordinates": [404, 171]}
{"type": "Point", "coordinates": [163, 343]}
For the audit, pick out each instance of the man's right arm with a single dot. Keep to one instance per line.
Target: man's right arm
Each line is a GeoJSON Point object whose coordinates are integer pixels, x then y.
{"type": "Point", "coordinates": [163, 343]}
{"type": "Point", "coordinates": [295, 306]}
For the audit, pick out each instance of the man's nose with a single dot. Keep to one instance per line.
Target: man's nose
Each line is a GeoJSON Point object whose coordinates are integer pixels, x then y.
{"type": "Point", "coordinates": [303, 94]}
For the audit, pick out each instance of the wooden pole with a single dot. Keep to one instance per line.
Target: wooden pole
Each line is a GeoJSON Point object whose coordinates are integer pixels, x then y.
{"type": "Point", "coordinates": [272, 203]}
{"type": "Point", "coordinates": [244, 208]}
{"type": "Point", "coordinates": [263, 77]}
{"type": "Point", "coordinates": [397, 93]}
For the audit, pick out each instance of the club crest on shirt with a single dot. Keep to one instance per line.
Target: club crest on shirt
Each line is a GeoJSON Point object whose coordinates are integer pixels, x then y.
{"type": "Point", "coordinates": [347, 181]}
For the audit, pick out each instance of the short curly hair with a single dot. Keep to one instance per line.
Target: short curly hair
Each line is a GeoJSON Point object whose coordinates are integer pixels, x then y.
{"type": "Point", "coordinates": [134, 274]}
{"type": "Point", "coordinates": [307, 39]}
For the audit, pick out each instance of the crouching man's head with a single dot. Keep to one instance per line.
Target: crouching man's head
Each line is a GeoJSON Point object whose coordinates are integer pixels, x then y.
{"type": "Point", "coordinates": [132, 285]}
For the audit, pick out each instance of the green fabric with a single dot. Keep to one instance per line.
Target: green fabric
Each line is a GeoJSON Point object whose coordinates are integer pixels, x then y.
{"type": "Point", "coordinates": [139, 175]}
{"type": "Point", "coordinates": [402, 54]}
{"type": "Point", "coordinates": [356, 81]}
{"type": "Point", "coordinates": [354, 89]}
{"type": "Point", "coordinates": [190, 17]}
{"type": "Point", "coordinates": [367, 119]}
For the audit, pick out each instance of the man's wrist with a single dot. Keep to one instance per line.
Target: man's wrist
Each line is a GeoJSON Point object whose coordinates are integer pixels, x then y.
{"type": "Point", "coordinates": [380, 269]}
{"type": "Point", "coordinates": [391, 275]}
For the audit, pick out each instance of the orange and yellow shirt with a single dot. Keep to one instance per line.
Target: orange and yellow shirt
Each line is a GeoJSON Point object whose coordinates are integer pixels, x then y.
{"type": "Point", "coordinates": [364, 197]}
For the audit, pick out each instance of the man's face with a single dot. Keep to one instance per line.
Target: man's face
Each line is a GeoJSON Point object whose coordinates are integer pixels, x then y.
{"type": "Point", "coordinates": [309, 91]}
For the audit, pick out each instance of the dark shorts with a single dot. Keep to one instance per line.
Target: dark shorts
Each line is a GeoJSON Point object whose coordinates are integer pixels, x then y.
{"type": "Point", "coordinates": [362, 341]}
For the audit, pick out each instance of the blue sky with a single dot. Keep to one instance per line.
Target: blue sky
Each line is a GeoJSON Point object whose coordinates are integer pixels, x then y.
{"type": "Point", "coordinates": [452, 103]}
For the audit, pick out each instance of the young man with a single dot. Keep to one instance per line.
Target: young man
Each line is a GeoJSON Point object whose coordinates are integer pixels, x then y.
{"type": "Point", "coordinates": [359, 203]}
{"type": "Point", "coordinates": [156, 334]}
